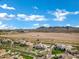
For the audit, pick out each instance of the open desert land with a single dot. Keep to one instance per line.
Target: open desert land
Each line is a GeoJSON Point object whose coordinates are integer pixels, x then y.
{"type": "Point", "coordinates": [71, 38]}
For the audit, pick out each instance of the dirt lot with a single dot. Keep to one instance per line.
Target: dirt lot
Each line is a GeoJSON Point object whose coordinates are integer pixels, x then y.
{"type": "Point", "coordinates": [47, 37]}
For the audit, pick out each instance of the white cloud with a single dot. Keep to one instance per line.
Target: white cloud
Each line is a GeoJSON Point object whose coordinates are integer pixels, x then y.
{"type": "Point", "coordinates": [5, 16]}
{"type": "Point", "coordinates": [61, 15]}
{"type": "Point", "coordinates": [5, 6]}
{"type": "Point", "coordinates": [0, 23]}
{"type": "Point", "coordinates": [75, 13]}
{"type": "Point", "coordinates": [38, 25]}
{"type": "Point", "coordinates": [31, 17]}
{"type": "Point", "coordinates": [35, 7]}
{"type": "Point", "coordinates": [46, 25]}
{"type": "Point", "coordinates": [4, 26]}
{"type": "Point", "coordinates": [72, 25]}
{"type": "Point", "coordinates": [68, 25]}
{"type": "Point", "coordinates": [77, 26]}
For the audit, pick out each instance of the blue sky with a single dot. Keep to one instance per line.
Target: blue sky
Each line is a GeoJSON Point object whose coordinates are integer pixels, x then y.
{"type": "Point", "coordinates": [36, 13]}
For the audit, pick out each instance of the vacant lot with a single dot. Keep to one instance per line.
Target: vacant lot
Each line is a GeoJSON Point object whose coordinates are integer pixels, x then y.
{"type": "Point", "coordinates": [47, 37]}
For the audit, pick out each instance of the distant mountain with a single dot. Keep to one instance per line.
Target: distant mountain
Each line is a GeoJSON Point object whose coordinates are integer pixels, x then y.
{"type": "Point", "coordinates": [45, 29]}
{"type": "Point", "coordinates": [58, 29]}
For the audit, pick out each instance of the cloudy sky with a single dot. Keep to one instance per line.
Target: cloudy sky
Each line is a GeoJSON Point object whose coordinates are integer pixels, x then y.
{"type": "Point", "coordinates": [36, 13]}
